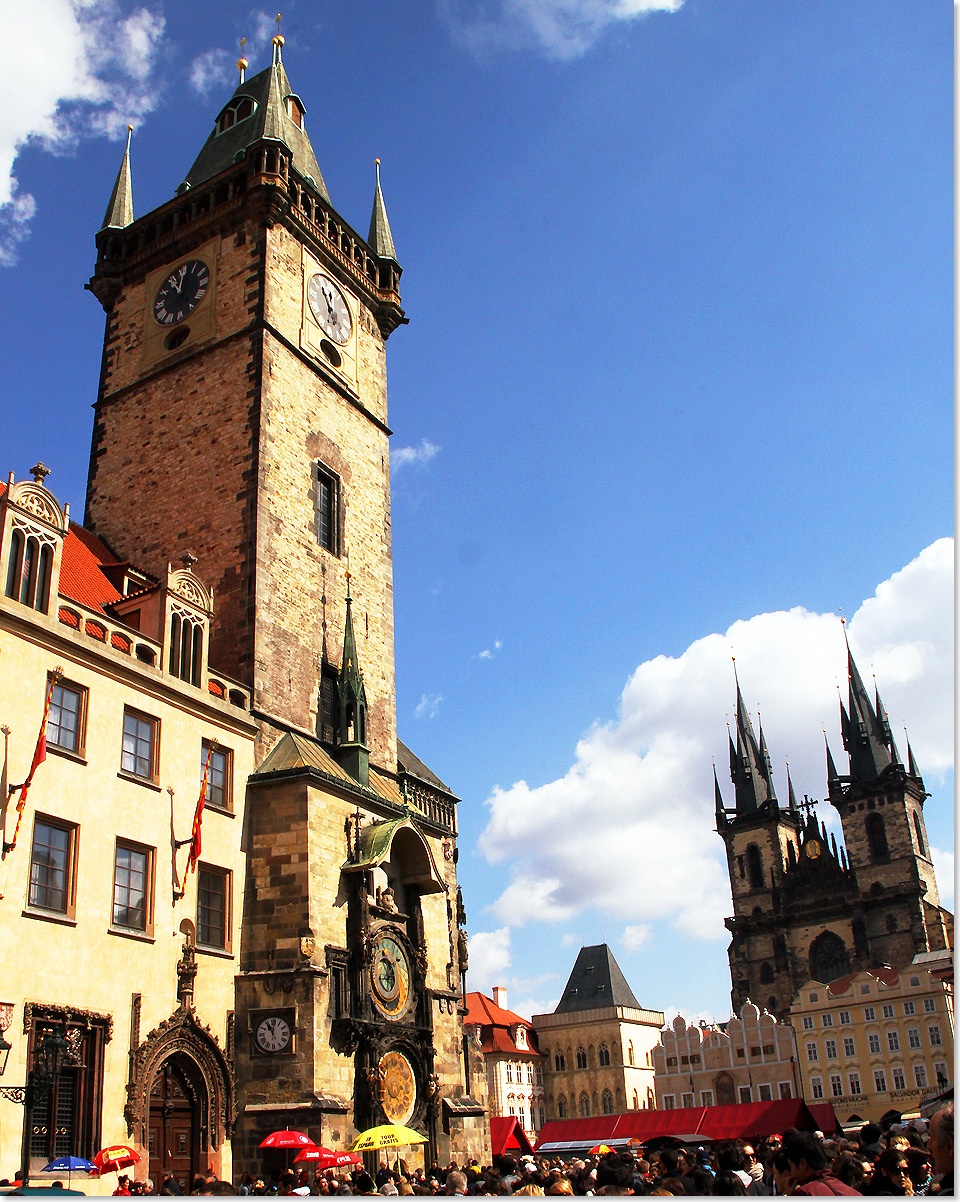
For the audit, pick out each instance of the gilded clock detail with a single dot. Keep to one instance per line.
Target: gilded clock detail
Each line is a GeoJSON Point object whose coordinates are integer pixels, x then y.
{"type": "Point", "coordinates": [398, 1090]}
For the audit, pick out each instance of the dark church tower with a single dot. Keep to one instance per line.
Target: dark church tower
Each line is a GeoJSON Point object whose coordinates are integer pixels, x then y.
{"type": "Point", "coordinates": [801, 910]}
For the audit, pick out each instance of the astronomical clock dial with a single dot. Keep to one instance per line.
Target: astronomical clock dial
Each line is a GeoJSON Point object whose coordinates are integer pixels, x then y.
{"type": "Point", "coordinates": [389, 976]}
{"type": "Point", "coordinates": [273, 1035]}
{"type": "Point", "coordinates": [329, 306]}
{"type": "Point", "coordinates": [181, 292]}
{"type": "Point", "coordinates": [398, 1087]}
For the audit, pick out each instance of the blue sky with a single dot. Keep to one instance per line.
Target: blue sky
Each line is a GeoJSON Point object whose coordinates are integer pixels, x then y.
{"type": "Point", "coordinates": [679, 356]}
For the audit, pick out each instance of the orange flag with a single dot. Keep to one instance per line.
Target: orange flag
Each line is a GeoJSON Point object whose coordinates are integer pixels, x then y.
{"type": "Point", "coordinates": [198, 816]}
{"type": "Point", "coordinates": [39, 755]}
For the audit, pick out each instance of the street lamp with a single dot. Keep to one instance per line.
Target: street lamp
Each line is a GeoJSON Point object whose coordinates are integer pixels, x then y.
{"type": "Point", "coordinates": [5, 1050]}
{"type": "Point", "coordinates": [48, 1057]}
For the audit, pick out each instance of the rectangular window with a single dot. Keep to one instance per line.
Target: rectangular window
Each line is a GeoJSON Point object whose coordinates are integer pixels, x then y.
{"type": "Point", "coordinates": [879, 1081]}
{"type": "Point", "coordinates": [831, 1049]}
{"type": "Point", "coordinates": [53, 866]}
{"type": "Point", "coordinates": [874, 1042]}
{"type": "Point", "coordinates": [864, 988]}
{"type": "Point", "coordinates": [909, 1008]}
{"type": "Point", "coordinates": [849, 1046]}
{"type": "Point", "coordinates": [853, 1081]}
{"type": "Point", "coordinates": [899, 1082]}
{"type": "Point", "coordinates": [893, 1041]}
{"type": "Point", "coordinates": [219, 775]}
{"type": "Point", "coordinates": [929, 1005]}
{"type": "Point", "coordinates": [913, 1037]}
{"type": "Point", "coordinates": [741, 1053]}
{"type": "Point", "coordinates": [914, 980]}
{"type": "Point", "coordinates": [827, 1020]}
{"type": "Point", "coordinates": [920, 1073]}
{"type": "Point", "coordinates": [745, 1095]}
{"type": "Point", "coordinates": [816, 1087]}
{"type": "Point", "coordinates": [888, 1011]}
{"type": "Point", "coordinates": [686, 1100]}
{"type": "Point", "coordinates": [814, 997]}
{"type": "Point", "coordinates": [940, 1073]}
{"type": "Point", "coordinates": [844, 1018]}
{"type": "Point", "coordinates": [934, 1033]}
{"type": "Point", "coordinates": [812, 1053]}
{"type": "Point", "coordinates": [669, 1101]}
{"type": "Point", "coordinates": [327, 508]}
{"type": "Point", "coordinates": [140, 745]}
{"type": "Point", "coordinates": [706, 1097]}
{"type": "Point", "coordinates": [836, 1086]}
{"type": "Point", "coordinates": [808, 1022]}
{"type": "Point", "coordinates": [869, 1014]}
{"type": "Point", "coordinates": [786, 1090]}
{"type": "Point", "coordinates": [66, 717]}
{"type": "Point", "coordinates": [213, 907]}
{"type": "Point", "coordinates": [766, 1093]}
{"type": "Point", "coordinates": [133, 886]}
{"type": "Point", "coordinates": [510, 1074]}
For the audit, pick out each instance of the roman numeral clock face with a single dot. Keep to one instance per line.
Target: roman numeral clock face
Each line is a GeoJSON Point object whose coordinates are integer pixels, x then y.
{"type": "Point", "coordinates": [181, 292]}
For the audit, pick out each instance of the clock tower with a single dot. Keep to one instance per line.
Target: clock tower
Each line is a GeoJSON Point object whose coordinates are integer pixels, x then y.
{"type": "Point", "coordinates": [242, 418]}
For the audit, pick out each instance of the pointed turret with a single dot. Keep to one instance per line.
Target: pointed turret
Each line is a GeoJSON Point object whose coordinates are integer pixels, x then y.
{"type": "Point", "coordinates": [262, 108]}
{"type": "Point", "coordinates": [718, 797]}
{"type": "Point", "coordinates": [791, 796]}
{"type": "Point", "coordinates": [748, 769]}
{"type": "Point", "coordinates": [911, 762]}
{"type": "Point", "coordinates": [119, 212]}
{"type": "Point", "coordinates": [866, 739]}
{"type": "Point", "coordinates": [380, 240]}
{"type": "Point", "coordinates": [833, 777]}
{"type": "Point", "coordinates": [351, 750]}
{"type": "Point", "coordinates": [764, 763]}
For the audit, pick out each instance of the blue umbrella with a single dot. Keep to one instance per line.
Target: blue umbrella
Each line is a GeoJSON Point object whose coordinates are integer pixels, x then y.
{"type": "Point", "coordinates": [68, 1164]}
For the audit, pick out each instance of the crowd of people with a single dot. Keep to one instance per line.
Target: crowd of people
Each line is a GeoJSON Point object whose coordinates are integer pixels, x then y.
{"type": "Point", "coordinates": [906, 1159]}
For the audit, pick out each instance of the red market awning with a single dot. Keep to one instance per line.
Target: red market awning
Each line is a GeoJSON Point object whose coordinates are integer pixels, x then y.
{"type": "Point", "coordinates": [754, 1120]}
{"type": "Point", "coordinates": [506, 1135]}
{"type": "Point", "coordinates": [825, 1117]}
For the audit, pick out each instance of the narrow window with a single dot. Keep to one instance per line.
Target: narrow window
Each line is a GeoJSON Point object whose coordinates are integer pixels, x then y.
{"type": "Point", "coordinates": [876, 836]}
{"type": "Point", "coordinates": [853, 1083]}
{"type": "Point", "coordinates": [52, 862]}
{"type": "Point", "coordinates": [755, 866]}
{"type": "Point", "coordinates": [66, 717]}
{"type": "Point", "coordinates": [213, 907]}
{"type": "Point", "coordinates": [327, 509]}
{"type": "Point", "coordinates": [15, 566]}
{"type": "Point", "coordinates": [133, 886]}
{"type": "Point", "coordinates": [140, 745]}
{"type": "Point", "coordinates": [921, 846]}
{"type": "Point", "coordinates": [219, 776]}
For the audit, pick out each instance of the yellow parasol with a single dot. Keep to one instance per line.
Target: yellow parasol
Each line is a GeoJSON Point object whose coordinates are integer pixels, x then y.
{"type": "Point", "coordinates": [388, 1135]}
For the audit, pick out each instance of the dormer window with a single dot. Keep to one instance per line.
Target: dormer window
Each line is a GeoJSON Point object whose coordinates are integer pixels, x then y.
{"type": "Point", "coordinates": [237, 110]}
{"type": "Point", "coordinates": [295, 111]}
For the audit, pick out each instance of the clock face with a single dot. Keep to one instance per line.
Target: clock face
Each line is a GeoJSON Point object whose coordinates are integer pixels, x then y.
{"type": "Point", "coordinates": [813, 849]}
{"type": "Point", "coordinates": [329, 306]}
{"type": "Point", "coordinates": [398, 1088]}
{"type": "Point", "coordinates": [389, 976]}
{"type": "Point", "coordinates": [181, 292]}
{"type": "Point", "coordinates": [273, 1034]}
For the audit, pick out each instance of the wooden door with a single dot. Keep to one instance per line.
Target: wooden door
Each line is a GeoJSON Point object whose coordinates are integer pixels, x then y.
{"type": "Point", "coordinates": [172, 1128]}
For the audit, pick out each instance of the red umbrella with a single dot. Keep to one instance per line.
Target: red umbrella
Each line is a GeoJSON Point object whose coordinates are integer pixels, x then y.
{"type": "Point", "coordinates": [287, 1139]}
{"type": "Point", "coordinates": [116, 1157]}
{"type": "Point", "coordinates": [326, 1158]}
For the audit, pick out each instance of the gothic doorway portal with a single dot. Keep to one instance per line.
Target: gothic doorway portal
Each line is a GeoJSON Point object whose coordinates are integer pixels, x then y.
{"type": "Point", "coordinates": [174, 1124]}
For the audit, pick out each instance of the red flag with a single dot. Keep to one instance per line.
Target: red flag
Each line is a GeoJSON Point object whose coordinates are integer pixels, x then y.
{"type": "Point", "coordinates": [198, 816]}
{"type": "Point", "coordinates": [39, 755]}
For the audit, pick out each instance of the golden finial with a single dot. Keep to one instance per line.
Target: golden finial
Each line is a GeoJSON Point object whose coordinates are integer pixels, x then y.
{"type": "Point", "coordinates": [242, 63]}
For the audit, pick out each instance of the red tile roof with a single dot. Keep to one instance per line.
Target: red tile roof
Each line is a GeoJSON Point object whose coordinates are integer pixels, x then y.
{"type": "Point", "coordinates": [886, 976]}
{"type": "Point", "coordinates": [80, 576]}
{"type": "Point", "coordinates": [495, 1023]}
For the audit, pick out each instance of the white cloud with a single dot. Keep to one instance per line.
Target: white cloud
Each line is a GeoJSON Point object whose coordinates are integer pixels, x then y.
{"type": "Point", "coordinates": [560, 29]}
{"type": "Point", "coordinates": [217, 68]}
{"type": "Point", "coordinates": [87, 68]}
{"type": "Point", "coordinates": [490, 652]}
{"type": "Point", "coordinates": [632, 821]}
{"type": "Point", "coordinates": [428, 706]}
{"type": "Point", "coordinates": [943, 864]}
{"type": "Point", "coordinates": [633, 938]}
{"type": "Point", "coordinates": [489, 953]}
{"type": "Point", "coordinates": [417, 456]}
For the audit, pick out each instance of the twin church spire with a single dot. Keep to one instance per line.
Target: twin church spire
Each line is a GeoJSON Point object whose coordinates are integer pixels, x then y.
{"type": "Point", "coordinates": [263, 108]}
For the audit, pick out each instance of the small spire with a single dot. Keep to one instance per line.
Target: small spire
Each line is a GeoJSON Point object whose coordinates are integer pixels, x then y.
{"type": "Point", "coordinates": [380, 239]}
{"type": "Point", "coordinates": [721, 809]}
{"type": "Point", "coordinates": [911, 762]}
{"type": "Point", "coordinates": [277, 41]}
{"type": "Point", "coordinates": [119, 212]}
{"type": "Point", "coordinates": [832, 774]}
{"type": "Point", "coordinates": [242, 63]}
{"type": "Point", "coordinates": [791, 796]}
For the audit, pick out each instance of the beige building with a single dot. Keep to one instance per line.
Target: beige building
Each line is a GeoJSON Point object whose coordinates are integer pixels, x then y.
{"type": "Point", "coordinates": [598, 1043]}
{"type": "Point", "coordinates": [513, 1061]}
{"type": "Point", "coordinates": [241, 419]}
{"type": "Point", "coordinates": [875, 1041]}
{"type": "Point", "coordinates": [751, 1058]}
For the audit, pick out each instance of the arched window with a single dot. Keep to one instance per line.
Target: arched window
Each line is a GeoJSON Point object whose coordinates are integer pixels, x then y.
{"type": "Point", "coordinates": [581, 1058]}
{"type": "Point", "coordinates": [772, 1004]}
{"type": "Point", "coordinates": [755, 866]}
{"type": "Point", "coordinates": [29, 571]}
{"type": "Point", "coordinates": [562, 1106]}
{"type": "Point", "coordinates": [603, 1055]}
{"type": "Point", "coordinates": [606, 1102]}
{"type": "Point", "coordinates": [186, 649]}
{"type": "Point", "coordinates": [829, 958]}
{"type": "Point", "coordinates": [630, 1052]}
{"type": "Point", "coordinates": [650, 1098]}
{"type": "Point", "coordinates": [766, 973]}
{"type": "Point", "coordinates": [921, 846]}
{"type": "Point", "coordinates": [791, 855]}
{"type": "Point", "coordinates": [877, 837]}
{"type": "Point", "coordinates": [636, 1100]}
{"type": "Point", "coordinates": [559, 1061]}
{"type": "Point", "coordinates": [891, 921]}
{"type": "Point", "coordinates": [584, 1106]}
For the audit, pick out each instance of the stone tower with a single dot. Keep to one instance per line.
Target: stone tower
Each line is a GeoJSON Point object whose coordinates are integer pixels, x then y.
{"type": "Point", "coordinates": [242, 416]}
{"type": "Point", "coordinates": [802, 908]}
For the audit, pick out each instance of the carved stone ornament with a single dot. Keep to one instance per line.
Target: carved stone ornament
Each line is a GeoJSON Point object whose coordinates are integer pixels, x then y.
{"type": "Point", "coordinates": [34, 499]}
{"type": "Point", "coordinates": [186, 585]}
{"type": "Point", "coordinates": [68, 1015]}
{"type": "Point", "coordinates": [182, 1033]}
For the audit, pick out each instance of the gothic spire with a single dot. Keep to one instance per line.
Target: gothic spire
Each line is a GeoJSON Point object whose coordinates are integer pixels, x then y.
{"type": "Point", "coordinates": [866, 740]}
{"type": "Point", "coordinates": [718, 797]}
{"type": "Point", "coordinates": [380, 240]}
{"type": "Point", "coordinates": [749, 768]}
{"type": "Point", "coordinates": [833, 776]}
{"type": "Point", "coordinates": [351, 734]}
{"type": "Point", "coordinates": [120, 209]}
{"type": "Point", "coordinates": [791, 796]}
{"type": "Point", "coordinates": [911, 762]}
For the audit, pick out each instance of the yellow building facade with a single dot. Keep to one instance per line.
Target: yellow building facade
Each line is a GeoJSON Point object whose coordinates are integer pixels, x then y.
{"type": "Point", "coordinates": [876, 1041]}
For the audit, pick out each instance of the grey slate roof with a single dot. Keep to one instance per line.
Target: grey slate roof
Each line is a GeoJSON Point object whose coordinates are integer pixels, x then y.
{"type": "Point", "coordinates": [120, 209]}
{"type": "Point", "coordinates": [409, 763]}
{"type": "Point", "coordinates": [380, 239]}
{"type": "Point", "coordinates": [596, 982]}
{"type": "Point", "coordinates": [269, 89]}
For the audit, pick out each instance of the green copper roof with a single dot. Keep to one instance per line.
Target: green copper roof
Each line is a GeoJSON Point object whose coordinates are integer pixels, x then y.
{"type": "Point", "coordinates": [269, 92]}
{"type": "Point", "coordinates": [120, 209]}
{"type": "Point", "coordinates": [376, 844]}
{"type": "Point", "coordinates": [297, 751]}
